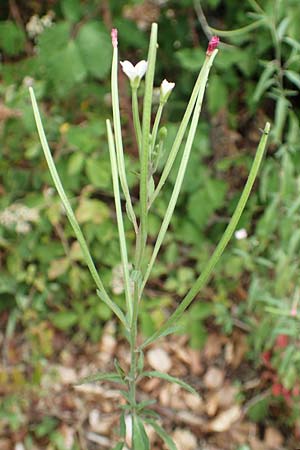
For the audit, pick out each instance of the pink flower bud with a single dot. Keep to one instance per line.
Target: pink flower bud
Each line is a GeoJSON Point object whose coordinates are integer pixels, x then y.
{"type": "Point", "coordinates": [293, 312]}
{"type": "Point", "coordinates": [114, 37]}
{"type": "Point", "coordinates": [212, 45]}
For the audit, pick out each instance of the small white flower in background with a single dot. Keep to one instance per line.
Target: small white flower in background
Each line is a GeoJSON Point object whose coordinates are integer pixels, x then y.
{"type": "Point", "coordinates": [36, 24]}
{"type": "Point", "coordinates": [117, 282]}
{"type": "Point", "coordinates": [19, 446]}
{"type": "Point", "coordinates": [240, 234]}
{"type": "Point", "coordinates": [165, 90]}
{"type": "Point", "coordinates": [18, 217]}
{"type": "Point", "coordinates": [134, 73]}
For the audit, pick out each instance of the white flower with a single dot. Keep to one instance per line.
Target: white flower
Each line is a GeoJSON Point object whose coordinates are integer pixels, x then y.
{"type": "Point", "coordinates": [241, 234]}
{"type": "Point", "coordinates": [165, 90]}
{"type": "Point", "coordinates": [134, 73]}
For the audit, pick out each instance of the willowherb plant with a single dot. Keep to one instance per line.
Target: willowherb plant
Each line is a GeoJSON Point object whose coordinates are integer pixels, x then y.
{"type": "Point", "coordinates": [150, 141]}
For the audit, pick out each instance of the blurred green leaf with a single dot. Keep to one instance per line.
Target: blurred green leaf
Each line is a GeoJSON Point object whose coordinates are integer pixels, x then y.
{"type": "Point", "coordinates": [12, 38]}
{"type": "Point", "coordinates": [95, 47]}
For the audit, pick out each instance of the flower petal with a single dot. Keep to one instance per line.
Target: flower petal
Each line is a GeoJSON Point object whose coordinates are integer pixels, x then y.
{"type": "Point", "coordinates": [141, 68]}
{"type": "Point", "coordinates": [129, 69]}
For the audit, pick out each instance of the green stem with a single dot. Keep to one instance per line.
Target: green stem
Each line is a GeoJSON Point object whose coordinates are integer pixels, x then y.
{"type": "Point", "coordinates": [155, 126]}
{"type": "Point", "coordinates": [136, 118]}
{"type": "Point", "coordinates": [238, 31]}
{"type": "Point", "coordinates": [183, 165]}
{"type": "Point", "coordinates": [121, 232]}
{"type": "Point", "coordinates": [118, 136]}
{"type": "Point", "coordinates": [141, 237]}
{"type": "Point", "coordinates": [205, 275]}
{"type": "Point", "coordinates": [146, 139]}
{"type": "Point", "coordinates": [71, 216]}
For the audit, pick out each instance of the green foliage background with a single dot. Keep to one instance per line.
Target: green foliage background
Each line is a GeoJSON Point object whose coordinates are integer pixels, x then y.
{"type": "Point", "coordinates": [43, 281]}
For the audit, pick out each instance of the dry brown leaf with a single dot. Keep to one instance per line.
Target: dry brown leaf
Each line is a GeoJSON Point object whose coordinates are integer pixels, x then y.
{"type": "Point", "coordinates": [213, 346]}
{"type": "Point", "coordinates": [190, 419]}
{"type": "Point", "coordinates": [184, 439]}
{"type": "Point", "coordinates": [171, 395]}
{"type": "Point", "coordinates": [68, 435]}
{"type": "Point", "coordinates": [273, 438]}
{"type": "Point", "coordinates": [100, 423]}
{"type": "Point", "coordinates": [214, 377]}
{"type": "Point", "coordinates": [193, 402]}
{"type": "Point", "coordinates": [108, 343]}
{"type": "Point", "coordinates": [235, 351]}
{"type": "Point", "coordinates": [212, 404]}
{"type": "Point", "coordinates": [195, 362]}
{"type": "Point", "coordinates": [7, 113]}
{"type": "Point", "coordinates": [159, 359]}
{"type": "Point", "coordinates": [5, 444]}
{"type": "Point", "coordinates": [226, 396]}
{"type": "Point", "coordinates": [225, 419]}
{"type": "Point", "coordinates": [66, 375]}
{"type": "Point", "coordinates": [151, 384]}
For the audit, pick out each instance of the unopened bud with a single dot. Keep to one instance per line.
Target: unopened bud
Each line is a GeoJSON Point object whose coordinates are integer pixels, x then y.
{"type": "Point", "coordinates": [212, 45]}
{"type": "Point", "coordinates": [114, 37]}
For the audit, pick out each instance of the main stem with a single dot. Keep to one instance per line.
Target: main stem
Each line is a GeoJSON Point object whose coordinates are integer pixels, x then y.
{"type": "Point", "coordinates": [133, 332]}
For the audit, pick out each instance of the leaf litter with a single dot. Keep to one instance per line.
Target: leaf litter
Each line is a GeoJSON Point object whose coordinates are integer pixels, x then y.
{"type": "Point", "coordinates": [214, 419]}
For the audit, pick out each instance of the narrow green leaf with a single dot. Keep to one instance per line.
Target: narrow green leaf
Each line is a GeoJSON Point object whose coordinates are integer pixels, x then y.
{"type": "Point", "coordinates": [162, 434]}
{"type": "Point", "coordinates": [140, 438]}
{"type": "Point", "coordinates": [118, 138]}
{"type": "Point", "coordinates": [119, 369]}
{"type": "Point", "coordinates": [144, 404]}
{"type": "Point", "coordinates": [294, 77]}
{"type": "Point", "coordinates": [68, 208]}
{"type": "Point", "coordinates": [165, 376]}
{"type": "Point", "coordinates": [145, 148]}
{"type": "Point", "coordinates": [113, 306]}
{"type": "Point", "coordinates": [163, 333]}
{"type": "Point", "coordinates": [122, 425]}
{"type": "Point", "coordinates": [121, 231]}
{"type": "Point", "coordinates": [100, 376]}
{"type": "Point", "coordinates": [265, 81]}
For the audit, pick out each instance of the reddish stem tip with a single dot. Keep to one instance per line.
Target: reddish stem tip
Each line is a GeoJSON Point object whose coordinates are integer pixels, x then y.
{"type": "Point", "coordinates": [212, 45]}
{"type": "Point", "coordinates": [114, 37]}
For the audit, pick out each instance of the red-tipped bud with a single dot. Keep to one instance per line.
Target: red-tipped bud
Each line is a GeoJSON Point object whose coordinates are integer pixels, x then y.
{"type": "Point", "coordinates": [282, 341]}
{"type": "Point", "coordinates": [286, 394]}
{"type": "Point", "coordinates": [296, 391]}
{"type": "Point", "coordinates": [277, 389]}
{"type": "Point", "coordinates": [266, 357]}
{"type": "Point", "coordinates": [212, 45]}
{"type": "Point", "coordinates": [114, 37]}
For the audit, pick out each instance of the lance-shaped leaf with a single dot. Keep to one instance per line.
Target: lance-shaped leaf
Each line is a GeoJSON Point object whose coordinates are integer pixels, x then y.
{"type": "Point", "coordinates": [140, 438]}
{"type": "Point", "coordinates": [165, 376]}
{"type": "Point", "coordinates": [162, 434]}
{"type": "Point", "coordinates": [100, 376]}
